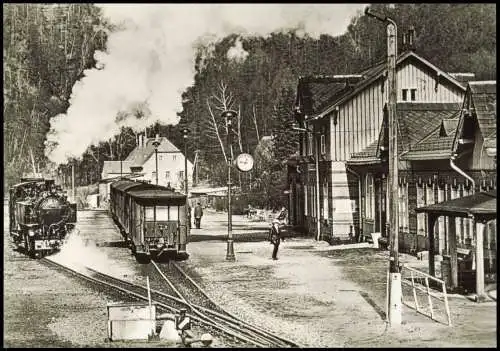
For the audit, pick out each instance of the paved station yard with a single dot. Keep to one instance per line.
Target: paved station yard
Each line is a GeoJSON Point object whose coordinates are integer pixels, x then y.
{"type": "Point", "coordinates": [327, 296]}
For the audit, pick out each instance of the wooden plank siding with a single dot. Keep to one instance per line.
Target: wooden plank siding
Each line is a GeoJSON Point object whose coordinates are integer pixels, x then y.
{"type": "Point", "coordinates": [360, 118]}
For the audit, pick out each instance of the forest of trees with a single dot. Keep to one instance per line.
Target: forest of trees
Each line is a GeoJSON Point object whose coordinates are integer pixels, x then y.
{"type": "Point", "coordinates": [47, 48]}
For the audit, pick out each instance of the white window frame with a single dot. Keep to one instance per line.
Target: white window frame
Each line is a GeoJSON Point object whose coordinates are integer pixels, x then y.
{"type": "Point", "coordinates": [369, 196]}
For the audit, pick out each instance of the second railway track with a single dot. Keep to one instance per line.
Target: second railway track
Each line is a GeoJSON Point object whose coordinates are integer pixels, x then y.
{"type": "Point", "coordinates": [187, 294]}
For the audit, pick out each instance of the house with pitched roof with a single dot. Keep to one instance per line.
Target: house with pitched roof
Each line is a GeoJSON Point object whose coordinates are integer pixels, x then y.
{"type": "Point", "coordinates": [345, 116]}
{"type": "Point", "coordinates": [142, 164]}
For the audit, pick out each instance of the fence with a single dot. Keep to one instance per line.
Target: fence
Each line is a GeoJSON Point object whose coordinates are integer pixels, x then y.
{"type": "Point", "coordinates": [426, 294]}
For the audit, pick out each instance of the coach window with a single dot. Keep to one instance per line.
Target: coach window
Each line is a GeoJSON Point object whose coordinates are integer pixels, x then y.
{"type": "Point", "coordinates": [173, 214]}
{"type": "Point", "coordinates": [150, 214]}
{"type": "Point", "coordinates": [162, 213]}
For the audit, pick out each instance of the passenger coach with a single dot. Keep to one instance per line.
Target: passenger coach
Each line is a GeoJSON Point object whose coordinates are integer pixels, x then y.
{"type": "Point", "coordinates": [151, 218]}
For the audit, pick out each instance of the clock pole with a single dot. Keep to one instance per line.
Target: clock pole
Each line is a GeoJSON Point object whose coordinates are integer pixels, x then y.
{"type": "Point", "coordinates": [229, 115]}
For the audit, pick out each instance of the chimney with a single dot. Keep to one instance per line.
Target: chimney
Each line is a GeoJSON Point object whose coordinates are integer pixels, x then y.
{"type": "Point", "coordinates": [409, 39]}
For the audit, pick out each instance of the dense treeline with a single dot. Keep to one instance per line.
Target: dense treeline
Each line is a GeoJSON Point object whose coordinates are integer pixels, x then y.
{"type": "Point", "coordinates": [47, 47]}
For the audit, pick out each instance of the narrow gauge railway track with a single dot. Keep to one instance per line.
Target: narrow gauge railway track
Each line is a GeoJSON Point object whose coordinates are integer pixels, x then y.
{"type": "Point", "coordinates": [202, 305]}
{"type": "Point", "coordinates": [163, 301]}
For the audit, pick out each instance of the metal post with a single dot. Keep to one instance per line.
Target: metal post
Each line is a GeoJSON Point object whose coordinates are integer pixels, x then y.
{"type": "Point", "coordinates": [318, 203]}
{"type": "Point", "coordinates": [230, 246]}
{"type": "Point", "coordinates": [156, 159]}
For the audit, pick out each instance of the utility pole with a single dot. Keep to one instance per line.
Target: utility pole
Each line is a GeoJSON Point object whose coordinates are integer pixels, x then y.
{"type": "Point", "coordinates": [73, 181]}
{"type": "Point", "coordinates": [394, 304]}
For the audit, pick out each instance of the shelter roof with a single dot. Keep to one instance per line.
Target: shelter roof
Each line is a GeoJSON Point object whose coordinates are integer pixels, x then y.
{"type": "Point", "coordinates": [482, 205]}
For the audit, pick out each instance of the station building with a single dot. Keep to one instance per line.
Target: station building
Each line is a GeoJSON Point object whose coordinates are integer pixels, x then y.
{"type": "Point", "coordinates": [446, 146]}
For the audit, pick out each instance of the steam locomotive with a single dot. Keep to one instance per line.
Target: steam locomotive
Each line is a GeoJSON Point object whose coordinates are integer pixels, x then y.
{"type": "Point", "coordinates": [152, 219]}
{"type": "Point", "coordinates": [40, 216]}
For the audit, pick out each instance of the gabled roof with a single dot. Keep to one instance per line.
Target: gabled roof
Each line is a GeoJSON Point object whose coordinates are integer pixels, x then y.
{"type": "Point", "coordinates": [141, 154]}
{"type": "Point", "coordinates": [484, 100]}
{"type": "Point", "coordinates": [483, 205]}
{"type": "Point", "coordinates": [419, 127]}
{"type": "Point", "coordinates": [334, 96]}
{"type": "Point", "coordinates": [116, 167]}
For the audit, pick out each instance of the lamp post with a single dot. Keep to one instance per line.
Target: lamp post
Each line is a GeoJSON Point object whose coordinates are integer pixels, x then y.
{"type": "Point", "coordinates": [228, 115]}
{"type": "Point", "coordinates": [316, 159]}
{"type": "Point", "coordinates": [156, 143]}
{"type": "Point", "coordinates": [394, 299]}
{"type": "Point", "coordinates": [185, 133]}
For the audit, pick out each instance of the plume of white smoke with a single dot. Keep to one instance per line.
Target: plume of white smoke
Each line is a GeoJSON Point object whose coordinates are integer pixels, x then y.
{"type": "Point", "coordinates": [236, 52]}
{"type": "Point", "coordinates": [149, 62]}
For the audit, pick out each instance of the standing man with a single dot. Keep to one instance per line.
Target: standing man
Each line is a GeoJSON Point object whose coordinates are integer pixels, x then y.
{"type": "Point", "coordinates": [275, 238]}
{"type": "Point", "coordinates": [198, 213]}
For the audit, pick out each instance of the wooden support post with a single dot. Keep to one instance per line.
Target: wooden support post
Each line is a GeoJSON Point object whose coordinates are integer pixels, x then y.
{"type": "Point", "coordinates": [431, 220]}
{"type": "Point", "coordinates": [480, 229]}
{"type": "Point", "coordinates": [452, 246]}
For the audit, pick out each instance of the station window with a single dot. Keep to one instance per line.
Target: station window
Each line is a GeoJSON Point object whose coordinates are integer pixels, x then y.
{"type": "Point", "coordinates": [323, 144]}
{"type": "Point", "coordinates": [181, 174]}
{"type": "Point", "coordinates": [405, 95]}
{"type": "Point", "coordinates": [167, 175]}
{"type": "Point", "coordinates": [309, 143]}
{"type": "Point", "coordinates": [413, 94]}
{"type": "Point", "coordinates": [174, 157]}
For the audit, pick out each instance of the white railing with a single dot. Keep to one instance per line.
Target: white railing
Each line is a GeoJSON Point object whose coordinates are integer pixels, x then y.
{"type": "Point", "coordinates": [418, 282]}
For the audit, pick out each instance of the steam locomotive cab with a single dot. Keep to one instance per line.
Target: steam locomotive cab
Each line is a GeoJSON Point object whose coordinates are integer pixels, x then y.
{"type": "Point", "coordinates": [40, 217]}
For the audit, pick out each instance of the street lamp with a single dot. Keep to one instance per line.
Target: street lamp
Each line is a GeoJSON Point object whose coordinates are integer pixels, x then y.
{"type": "Point", "coordinates": [316, 159]}
{"type": "Point", "coordinates": [228, 115]}
{"type": "Point", "coordinates": [394, 299]}
{"type": "Point", "coordinates": [156, 143]}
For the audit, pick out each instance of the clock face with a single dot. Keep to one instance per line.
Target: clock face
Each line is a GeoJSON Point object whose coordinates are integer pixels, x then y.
{"type": "Point", "coordinates": [244, 162]}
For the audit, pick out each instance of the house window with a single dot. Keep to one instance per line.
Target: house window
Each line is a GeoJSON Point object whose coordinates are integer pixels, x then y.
{"type": "Point", "coordinates": [174, 157]}
{"type": "Point", "coordinates": [403, 206]}
{"type": "Point", "coordinates": [310, 144]}
{"type": "Point", "coordinates": [370, 197]}
{"type": "Point", "coordinates": [167, 175]}
{"type": "Point", "coordinates": [181, 175]}
{"type": "Point", "coordinates": [413, 94]}
{"type": "Point", "coordinates": [405, 94]}
{"type": "Point", "coordinates": [323, 144]}
{"type": "Point", "coordinates": [421, 219]}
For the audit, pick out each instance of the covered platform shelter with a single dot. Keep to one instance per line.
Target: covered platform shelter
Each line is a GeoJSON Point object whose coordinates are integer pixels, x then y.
{"type": "Point", "coordinates": [481, 207]}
